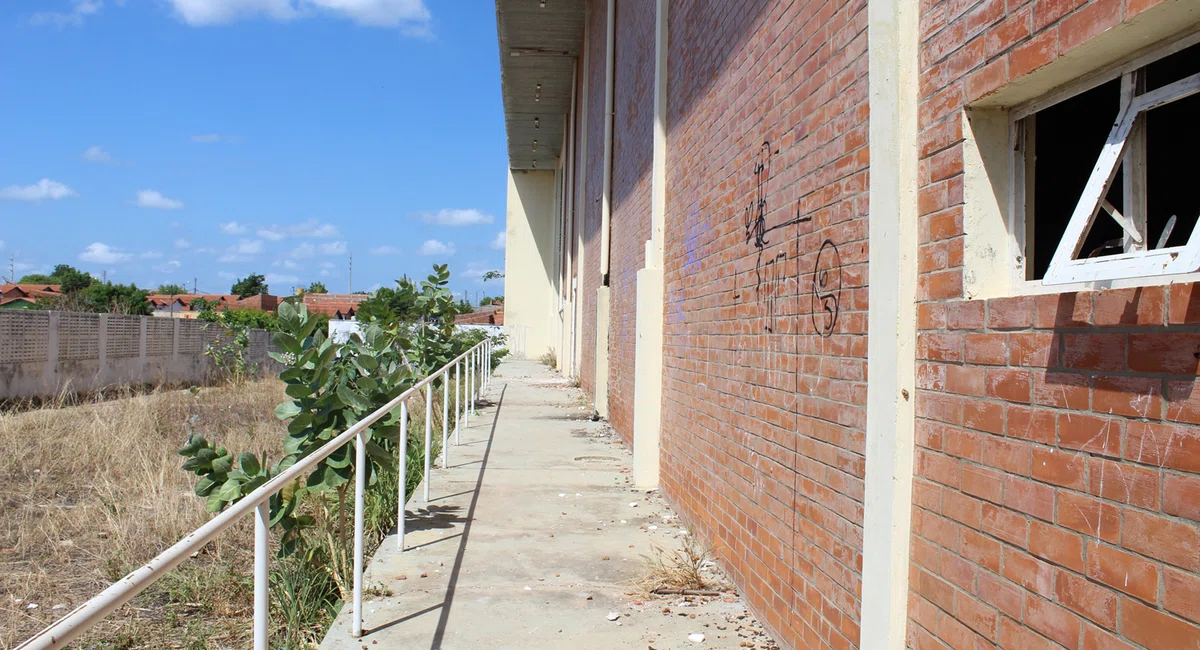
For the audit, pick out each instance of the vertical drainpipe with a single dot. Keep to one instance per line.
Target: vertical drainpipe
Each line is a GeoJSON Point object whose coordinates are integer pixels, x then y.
{"type": "Point", "coordinates": [891, 320]}
{"type": "Point", "coordinates": [566, 359]}
{"type": "Point", "coordinates": [648, 353]}
{"type": "Point", "coordinates": [602, 292]}
{"type": "Point", "coordinates": [581, 204]}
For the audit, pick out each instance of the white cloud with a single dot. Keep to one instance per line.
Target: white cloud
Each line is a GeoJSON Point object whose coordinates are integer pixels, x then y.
{"type": "Point", "coordinates": [155, 200]}
{"type": "Point", "coordinates": [233, 228]}
{"type": "Point", "coordinates": [327, 265]}
{"type": "Point", "coordinates": [243, 251]}
{"type": "Point", "coordinates": [213, 138]}
{"type": "Point", "coordinates": [334, 248]}
{"type": "Point", "coordinates": [324, 273]}
{"type": "Point", "coordinates": [150, 255]}
{"type": "Point", "coordinates": [387, 250]}
{"type": "Point", "coordinates": [476, 270]}
{"type": "Point", "coordinates": [182, 243]}
{"type": "Point", "coordinates": [287, 264]}
{"type": "Point", "coordinates": [304, 251]}
{"type": "Point", "coordinates": [434, 247]}
{"type": "Point", "coordinates": [80, 9]}
{"type": "Point", "coordinates": [98, 155]}
{"type": "Point", "coordinates": [310, 228]}
{"type": "Point", "coordinates": [500, 241]}
{"type": "Point", "coordinates": [276, 278]}
{"type": "Point", "coordinates": [167, 267]}
{"type": "Point", "coordinates": [43, 190]}
{"type": "Point", "coordinates": [450, 217]}
{"type": "Point", "coordinates": [407, 14]}
{"type": "Point", "coordinates": [99, 253]}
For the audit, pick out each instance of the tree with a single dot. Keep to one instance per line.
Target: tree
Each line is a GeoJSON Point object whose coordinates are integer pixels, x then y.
{"type": "Point", "coordinates": [493, 275]}
{"type": "Point", "coordinates": [171, 289]}
{"type": "Point", "coordinates": [70, 278]}
{"type": "Point", "coordinates": [316, 287]}
{"type": "Point", "coordinates": [463, 306]}
{"type": "Point", "coordinates": [252, 285]}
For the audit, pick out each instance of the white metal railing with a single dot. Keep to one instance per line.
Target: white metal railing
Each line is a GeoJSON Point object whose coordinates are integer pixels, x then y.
{"type": "Point", "coordinates": [474, 364]}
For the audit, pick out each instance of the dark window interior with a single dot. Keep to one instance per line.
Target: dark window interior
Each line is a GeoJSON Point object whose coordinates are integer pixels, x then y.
{"type": "Point", "coordinates": [1069, 137]}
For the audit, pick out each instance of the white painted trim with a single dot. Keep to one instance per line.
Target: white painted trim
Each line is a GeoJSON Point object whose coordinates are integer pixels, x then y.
{"type": "Point", "coordinates": [648, 350]}
{"type": "Point", "coordinates": [891, 321]}
{"type": "Point", "coordinates": [609, 89]}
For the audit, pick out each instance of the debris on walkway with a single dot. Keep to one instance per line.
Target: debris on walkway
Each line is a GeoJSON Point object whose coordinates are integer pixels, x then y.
{"type": "Point", "coordinates": [535, 538]}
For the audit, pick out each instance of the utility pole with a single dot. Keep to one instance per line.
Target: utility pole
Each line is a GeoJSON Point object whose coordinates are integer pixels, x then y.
{"type": "Point", "coordinates": [195, 283]}
{"type": "Point", "coordinates": [105, 272]}
{"type": "Point", "coordinates": [12, 267]}
{"type": "Point", "coordinates": [350, 280]}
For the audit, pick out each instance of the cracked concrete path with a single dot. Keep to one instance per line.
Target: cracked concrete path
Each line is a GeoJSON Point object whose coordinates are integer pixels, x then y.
{"type": "Point", "coordinates": [530, 540]}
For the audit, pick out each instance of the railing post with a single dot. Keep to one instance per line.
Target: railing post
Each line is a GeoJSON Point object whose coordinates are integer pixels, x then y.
{"type": "Point", "coordinates": [403, 474]}
{"type": "Point", "coordinates": [458, 402]}
{"type": "Point", "coordinates": [428, 434]}
{"type": "Point", "coordinates": [262, 579]}
{"type": "Point", "coordinates": [360, 485]}
{"type": "Point", "coordinates": [467, 392]}
{"type": "Point", "coordinates": [445, 416]}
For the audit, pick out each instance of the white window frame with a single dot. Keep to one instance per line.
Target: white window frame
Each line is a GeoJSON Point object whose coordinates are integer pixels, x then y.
{"type": "Point", "coordinates": [1141, 262]}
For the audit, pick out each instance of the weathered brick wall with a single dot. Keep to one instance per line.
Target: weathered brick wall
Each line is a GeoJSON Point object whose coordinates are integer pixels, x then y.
{"type": "Point", "coordinates": [592, 168]}
{"type": "Point", "coordinates": [633, 148]}
{"type": "Point", "coordinates": [1056, 491]}
{"type": "Point", "coordinates": [765, 370]}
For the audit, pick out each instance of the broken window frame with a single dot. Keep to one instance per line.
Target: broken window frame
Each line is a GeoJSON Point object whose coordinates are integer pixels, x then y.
{"type": "Point", "coordinates": [1125, 144]}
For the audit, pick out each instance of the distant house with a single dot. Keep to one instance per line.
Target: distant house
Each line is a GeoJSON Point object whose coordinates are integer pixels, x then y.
{"type": "Point", "coordinates": [338, 306]}
{"type": "Point", "coordinates": [487, 315]}
{"type": "Point", "coordinates": [24, 296]}
{"type": "Point", "coordinates": [181, 305]}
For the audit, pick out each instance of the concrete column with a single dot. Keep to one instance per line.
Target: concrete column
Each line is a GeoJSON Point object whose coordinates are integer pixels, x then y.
{"type": "Point", "coordinates": [530, 309]}
{"type": "Point", "coordinates": [602, 310]}
{"type": "Point", "coordinates": [50, 385]}
{"type": "Point", "coordinates": [648, 353]}
{"type": "Point", "coordinates": [891, 322]}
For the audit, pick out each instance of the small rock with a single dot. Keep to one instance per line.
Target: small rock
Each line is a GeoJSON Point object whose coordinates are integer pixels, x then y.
{"type": "Point", "coordinates": [589, 597]}
{"type": "Point", "coordinates": [528, 588]}
{"type": "Point", "coordinates": [651, 527]}
{"type": "Point", "coordinates": [57, 607]}
{"type": "Point", "coordinates": [638, 602]}
{"type": "Point", "coordinates": [402, 577]}
{"type": "Point", "coordinates": [562, 494]}
{"type": "Point", "coordinates": [612, 616]}
{"type": "Point", "coordinates": [633, 504]}
{"type": "Point", "coordinates": [31, 606]}
{"type": "Point", "coordinates": [604, 558]}
{"type": "Point", "coordinates": [424, 575]}
{"type": "Point", "coordinates": [696, 638]}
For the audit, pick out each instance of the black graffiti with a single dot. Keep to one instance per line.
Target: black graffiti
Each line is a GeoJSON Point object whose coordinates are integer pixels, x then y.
{"type": "Point", "coordinates": [756, 212]}
{"type": "Point", "coordinates": [827, 289]}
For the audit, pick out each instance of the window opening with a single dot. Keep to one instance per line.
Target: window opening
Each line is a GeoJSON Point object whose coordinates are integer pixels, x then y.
{"type": "Point", "coordinates": [1111, 188]}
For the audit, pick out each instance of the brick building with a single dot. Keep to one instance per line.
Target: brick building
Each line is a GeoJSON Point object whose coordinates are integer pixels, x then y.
{"type": "Point", "coordinates": [713, 203]}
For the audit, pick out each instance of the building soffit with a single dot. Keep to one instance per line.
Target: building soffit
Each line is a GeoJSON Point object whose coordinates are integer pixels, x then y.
{"type": "Point", "coordinates": [539, 43]}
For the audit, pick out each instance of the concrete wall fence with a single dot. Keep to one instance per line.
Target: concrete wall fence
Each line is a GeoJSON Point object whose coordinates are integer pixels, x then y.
{"type": "Point", "coordinates": [762, 203]}
{"type": "Point", "coordinates": [46, 353]}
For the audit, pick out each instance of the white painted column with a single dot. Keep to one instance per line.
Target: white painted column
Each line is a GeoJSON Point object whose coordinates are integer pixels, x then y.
{"type": "Point", "coordinates": [602, 292]}
{"type": "Point", "coordinates": [891, 323]}
{"type": "Point", "coordinates": [648, 353]}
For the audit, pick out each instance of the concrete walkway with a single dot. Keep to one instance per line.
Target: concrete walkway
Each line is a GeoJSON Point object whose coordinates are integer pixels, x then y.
{"type": "Point", "coordinates": [530, 540]}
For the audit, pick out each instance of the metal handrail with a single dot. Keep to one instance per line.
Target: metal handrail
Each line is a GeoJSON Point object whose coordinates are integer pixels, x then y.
{"type": "Point", "coordinates": [82, 618]}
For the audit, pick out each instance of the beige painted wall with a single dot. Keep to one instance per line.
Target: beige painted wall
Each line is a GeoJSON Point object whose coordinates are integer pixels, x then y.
{"type": "Point", "coordinates": [530, 300]}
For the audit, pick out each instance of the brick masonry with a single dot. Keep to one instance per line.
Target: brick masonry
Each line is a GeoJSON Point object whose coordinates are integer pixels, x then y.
{"type": "Point", "coordinates": [1058, 449]}
{"type": "Point", "coordinates": [1056, 468]}
{"type": "Point", "coordinates": [764, 390]}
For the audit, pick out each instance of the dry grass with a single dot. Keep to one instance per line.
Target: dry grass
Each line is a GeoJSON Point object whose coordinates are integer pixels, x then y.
{"type": "Point", "coordinates": [685, 569]}
{"type": "Point", "coordinates": [91, 491]}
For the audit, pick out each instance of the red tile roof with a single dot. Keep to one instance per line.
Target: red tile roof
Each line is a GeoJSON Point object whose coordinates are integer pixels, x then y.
{"type": "Point", "coordinates": [14, 292]}
{"type": "Point", "coordinates": [334, 305]}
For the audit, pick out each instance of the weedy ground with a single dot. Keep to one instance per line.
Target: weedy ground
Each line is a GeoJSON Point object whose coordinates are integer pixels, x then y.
{"type": "Point", "coordinates": [91, 491]}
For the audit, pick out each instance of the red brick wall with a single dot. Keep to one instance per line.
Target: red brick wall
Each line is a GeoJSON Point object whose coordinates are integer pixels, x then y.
{"type": "Point", "coordinates": [592, 168]}
{"type": "Point", "coordinates": [1056, 488]}
{"type": "Point", "coordinates": [763, 413]}
{"type": "Point", "coordinates": [633, 148]}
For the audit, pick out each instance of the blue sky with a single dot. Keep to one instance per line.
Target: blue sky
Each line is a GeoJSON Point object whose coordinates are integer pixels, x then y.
{"type": "Point", "coordinates": [166, 140]}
